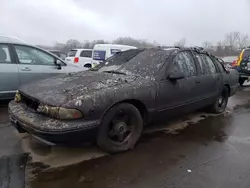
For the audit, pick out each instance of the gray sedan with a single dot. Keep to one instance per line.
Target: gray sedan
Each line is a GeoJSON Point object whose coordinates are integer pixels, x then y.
{"type": "Point", "coordinates": [21, 63]}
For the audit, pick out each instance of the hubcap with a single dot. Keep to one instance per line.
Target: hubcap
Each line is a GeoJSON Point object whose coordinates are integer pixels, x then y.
{"type": "Point", "coordinates": [120, 128]}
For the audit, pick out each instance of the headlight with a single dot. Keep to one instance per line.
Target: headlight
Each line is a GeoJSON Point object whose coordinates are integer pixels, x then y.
{"type": "Point", "coordinates": [59, 112]}
{"type": "Point", "coordinates": [65, 113]}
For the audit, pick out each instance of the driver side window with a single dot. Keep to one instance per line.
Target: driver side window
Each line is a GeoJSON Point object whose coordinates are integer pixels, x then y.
{"type": "Point", "coordinates": [33, 56]}
{"type": "Point", "coordinates": [184, 62]}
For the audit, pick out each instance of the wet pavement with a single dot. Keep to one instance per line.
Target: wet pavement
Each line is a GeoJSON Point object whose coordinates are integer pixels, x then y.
{"type": "Point", "coordinates": [215, 152]}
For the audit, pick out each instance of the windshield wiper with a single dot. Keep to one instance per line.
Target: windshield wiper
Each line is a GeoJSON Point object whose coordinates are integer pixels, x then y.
{"type": "Point", "coordinates": [115, 72]}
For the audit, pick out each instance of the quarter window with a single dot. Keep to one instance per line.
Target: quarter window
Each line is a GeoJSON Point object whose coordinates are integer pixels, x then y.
{"type": "Point", "coordinates": [184, 61]}
{"type": "Point", "coordinates": [33, 56]}
{"type": "Point", "coordinates": [210, 65]}
{"type": "Point", "coordinates": [4, 54]}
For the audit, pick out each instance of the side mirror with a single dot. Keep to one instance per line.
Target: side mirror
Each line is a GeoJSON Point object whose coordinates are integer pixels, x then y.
{"type": "Point", "coordinates": [176, 76]}
{"type": "Point", "coordinates": [59, 64]}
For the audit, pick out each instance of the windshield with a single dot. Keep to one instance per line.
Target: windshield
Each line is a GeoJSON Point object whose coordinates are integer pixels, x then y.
{"type": "Point", "coordinates": [246, 53]}
{"type": "Point", "coordinates": [72, 53]}
{"type": "Point", "coordinates": [135, 61]}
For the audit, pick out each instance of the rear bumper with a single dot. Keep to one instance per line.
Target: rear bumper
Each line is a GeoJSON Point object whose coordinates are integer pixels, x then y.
{"type": "Point", "coordinates": [234, 89]}
{"type": "Point", "coordinates": [51, 131]}
{"type": "Point", "coordinates": [244, 75]}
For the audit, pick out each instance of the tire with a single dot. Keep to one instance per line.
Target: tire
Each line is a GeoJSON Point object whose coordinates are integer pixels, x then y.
{"type": "Point", "coordinates": [119, 119]}
{"type": "Point", "coordinates": [241, 81]}
{"type": "Point", "coordinates": [220, 104]}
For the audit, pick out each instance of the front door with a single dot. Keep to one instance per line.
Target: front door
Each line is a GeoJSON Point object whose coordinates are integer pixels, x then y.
{"type": "Point", "coordinates": [175, 96]}
{"type": "Point", "coordinates": [9, 79]}
{"type": "Point", "coordinates": [34, 64]}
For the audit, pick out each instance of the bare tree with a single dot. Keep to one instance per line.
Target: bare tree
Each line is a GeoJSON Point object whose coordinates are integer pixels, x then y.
{"type": "Point", "coordinates": [133, 42]}
{"type": "Point", "coordinates": [72, 43]}
{"type": "Point", "coordinates": [181, 42]}
{"type": "Point", "coordinates": [207, 45]}
{"type": "Point", "coordinates": [232, 40]}
{"type": "Point", "coordinates": [243, 41]}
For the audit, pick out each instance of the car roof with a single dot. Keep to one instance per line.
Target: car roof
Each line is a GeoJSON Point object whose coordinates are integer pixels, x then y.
{"type": "Point", "coordinates": [55, 51]}
{"type": "Point", "coordinates": [82, 49]}
{"type": "Point", "coordinates": [113, 45]}
{"type": "Point", "coordinates": [11, 39]}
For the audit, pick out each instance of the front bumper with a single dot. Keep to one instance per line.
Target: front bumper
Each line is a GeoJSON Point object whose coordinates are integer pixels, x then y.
{"type": "Point", "coordinates": [48, 130]}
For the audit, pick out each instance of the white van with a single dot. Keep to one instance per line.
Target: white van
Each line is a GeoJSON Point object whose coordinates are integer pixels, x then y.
{"type": "Point", "coordinates": [80, 57]}
{"type": "Point", "coordinates": [101, 52]}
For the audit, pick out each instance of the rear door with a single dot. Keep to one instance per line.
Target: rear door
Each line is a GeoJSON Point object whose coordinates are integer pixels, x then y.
{"type": "Point", "coordinates": [209, 79]}
{"type": "Point", "coordinates": [9, 79]}
{"type": "Point", "coordinates": [34, 64]}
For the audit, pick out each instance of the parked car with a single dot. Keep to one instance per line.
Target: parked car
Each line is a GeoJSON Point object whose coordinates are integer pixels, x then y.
{"type": "Point", "coordinates": [101, 52]}
{"type": "Point", "coordinates": [59, 54]}
{"type": "Point", "coordinates": [243, 65]}
{"type": "Point", "coordinates": [21, 63]}
{"type": "Point", "coordinates": [117, 98]}
{"type": "Point", "coordinates": [80, 57]}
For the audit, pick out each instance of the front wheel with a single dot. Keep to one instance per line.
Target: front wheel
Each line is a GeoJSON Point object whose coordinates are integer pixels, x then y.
{"type": "Point", "coordinates": [120, 129]}
{"type": "Point", "coordinates": [220, 104]}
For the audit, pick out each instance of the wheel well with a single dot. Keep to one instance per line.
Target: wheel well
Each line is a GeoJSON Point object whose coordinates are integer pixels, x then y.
{"type": "Point", "coordinates": [228, 87]}
{"type": "Point", "coordinates": [88, 65]}
{"type": "Point", "coordinates": [139, 105]}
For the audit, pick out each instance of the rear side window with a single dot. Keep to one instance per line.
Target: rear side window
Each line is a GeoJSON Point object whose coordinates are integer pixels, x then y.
{"type": "Point", "coordinates": [86, 53]}
{"type": "Point", "coordinates": [211, 69]}
{"type": "Point", "coordinates": [4, 54]}
{"type": "Point", "coordinates": [206, 64]}
{"type": "Point", "coordinates": [72, 53]}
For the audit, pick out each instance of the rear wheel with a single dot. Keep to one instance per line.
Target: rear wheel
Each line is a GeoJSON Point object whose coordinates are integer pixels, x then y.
{"type": "Point", "coordinates": [120, 129]}
{"type": "Point", "coordinates": [220, 104]}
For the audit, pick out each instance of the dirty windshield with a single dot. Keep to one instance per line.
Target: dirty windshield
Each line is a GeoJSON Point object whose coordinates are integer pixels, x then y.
{"type": "Point", "coordinates": [136, 61]}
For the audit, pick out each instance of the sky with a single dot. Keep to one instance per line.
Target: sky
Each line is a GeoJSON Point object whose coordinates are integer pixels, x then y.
{"type": "Point", "coordinates": [165, 21]}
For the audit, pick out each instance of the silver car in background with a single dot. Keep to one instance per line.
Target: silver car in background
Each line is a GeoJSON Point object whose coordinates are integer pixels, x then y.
{"type": "Point", "coordinates": [21, 63]}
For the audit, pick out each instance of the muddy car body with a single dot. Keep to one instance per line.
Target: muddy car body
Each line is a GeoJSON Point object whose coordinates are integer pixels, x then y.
{"type": "Point", "coordinates": [113, 101]}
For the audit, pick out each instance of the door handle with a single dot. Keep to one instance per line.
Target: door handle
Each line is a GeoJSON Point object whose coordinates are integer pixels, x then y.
{"type": "Point", "coordinates": [197, 82]}
{"type": "Point", "coordinates": [26, 69]}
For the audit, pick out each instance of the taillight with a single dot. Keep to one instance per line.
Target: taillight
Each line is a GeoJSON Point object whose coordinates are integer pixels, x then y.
{"type": "Point", "coordinates": [234, 63]}
{"type": "Point", "coordinates": [76, 60]}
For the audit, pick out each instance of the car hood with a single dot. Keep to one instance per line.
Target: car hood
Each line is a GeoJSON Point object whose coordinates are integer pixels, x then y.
{"type": "Point", "coordinates": [61, 89]}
